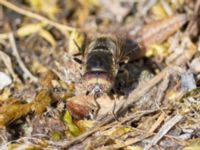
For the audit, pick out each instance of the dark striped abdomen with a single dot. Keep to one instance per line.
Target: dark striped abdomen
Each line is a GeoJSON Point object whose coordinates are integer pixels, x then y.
{"type": "Point", "coordinates": [99, 63]}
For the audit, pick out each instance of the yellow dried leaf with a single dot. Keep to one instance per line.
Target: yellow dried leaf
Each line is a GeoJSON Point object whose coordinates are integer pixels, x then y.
{"type": "Point", "coordinates": [176, 4]}
{"type": "Point", "coordinates": [118, 131]}
{"type": "Point", "coordinates": [195, 141]}
{"type": "Point", "coordinates": [69, 87]}
{"type": "Point", "coordinates": [76, 40]}
{"type": "Point", "coordinates": [24, 146]}
{"type": "Point", "coordinates": [172, 95]}
{"type": "Point", "coordinates": [48, 7]}
{"type": "Point", "coordinates": [47, 36]}
{"type": "Point", "coordinates": [46, 80]}
{"type": "Point", "coordinates": [55, 136]}
{"type": "Point", "coordinates": [41, 101]}
{"type": "Point", "coordinates": [82, 9]}
{"type": "Point", "coordinates": [158, 50]}
{"type": "Point", "coordinates": [133, 148]}
{"type": "Point", "coordinates": [85, 124]}
{"type": "Point", "coordinates": [158, 11]}
{"type": "Point", "coordinates": [29, 29]}
{"type": "Point", "coordinates": [73, 128]}
{"type": "Point", "coordinates": [37, 67]}
{"type": "Point", "coordinates": [5, 94]}
{"type": "Point", "coordinates": [194, 147]}
{"type": "Point", "coordinates": [35, 4]}
{"type": "Point", "coordinates": [94, 3]}
{"type": "Point", "coordinates": [12, 111]}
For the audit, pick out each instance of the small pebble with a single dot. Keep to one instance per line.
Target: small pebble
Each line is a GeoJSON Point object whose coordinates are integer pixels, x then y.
{"type": "Point", "coordinates": [187, 81]}
{"type": "Point", "coordinates": [5, 80]}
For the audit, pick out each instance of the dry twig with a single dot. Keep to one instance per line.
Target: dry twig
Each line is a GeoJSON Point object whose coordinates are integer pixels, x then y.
{"type": "Point", "coordinates": [192, 27]}
{"type": "Point", "coordinates": [27, 13]}
{"type": "Point", "coordinates": [164, 129]}
{"type": "Point", "coordinates": [161, 92]}
{"type": "Point", "coordinates": [19, 60]}
{"type": "Point", "coordinates": [7, 61]}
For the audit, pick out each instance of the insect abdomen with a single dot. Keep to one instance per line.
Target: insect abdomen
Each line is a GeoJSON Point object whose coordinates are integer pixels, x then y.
{"type": "Point", "coordinates": [100, 62]}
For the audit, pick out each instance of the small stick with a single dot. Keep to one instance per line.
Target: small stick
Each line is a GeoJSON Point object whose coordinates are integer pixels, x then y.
{"type": "Point", "coordinates": [19, 60]}
{"type": "Point", "coordinates": [161, 92]}
{"type": "Point", "coordinates": [35, 16]}
{"type": "Point", "coordinates": [7, 61]}
{"type": "Point", "coordinates": [164, 129]}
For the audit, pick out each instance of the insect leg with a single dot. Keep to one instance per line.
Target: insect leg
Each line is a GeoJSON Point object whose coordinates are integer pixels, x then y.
{"type": "Point", "coordinates": [97, 106]}
{"type": "Point", "coordinates": [78, 60]}
{"type": "Point", "coordinates": [113, 111]}
{"type": "Point", "coordinates": [79, 48]}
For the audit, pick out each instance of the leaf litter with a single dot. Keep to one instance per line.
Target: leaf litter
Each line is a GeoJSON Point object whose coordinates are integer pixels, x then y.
{"type": "Point", "coordinates": [155, 99]}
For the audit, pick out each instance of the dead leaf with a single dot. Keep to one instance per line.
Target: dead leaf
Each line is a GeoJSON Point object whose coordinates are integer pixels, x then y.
{"type": "Point", "coordinates": [158, 31]}
{"type": "Point", "coordinates": [48, 7]}
{"type": "Point", "coordinates": [158, 11]}
{"type": "Point", "coordinates": [24, 146]}
{"type": "Point", "coordinates": [161, 50]}
{"type": "Point", "coordinates": [48, 37]}
{"type": "Point", "coordinates": [73, 128]}
{"type": "Point", "coordinates": [28, 29]}
{"type": "Point", "coordinates": [41, 102]}
{"type": "Point", "coordinates": [85, 125]}
{"type": "Point", "coordinates": [12, 111]}
{"type": "Point", "coordinates": [80, 106]}
{"type": "Point", "coordinates": [193, 144]}
{"type": "Point", "coordinates": [76, 40]}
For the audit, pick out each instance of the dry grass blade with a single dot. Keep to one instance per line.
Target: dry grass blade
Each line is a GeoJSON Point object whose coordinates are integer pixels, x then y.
{"type": "Point", "coordinates": [158, 122]}
{"type": "Point", "coordinates": [164, 129]}
{"type": "Point", "coordinates": [192, 28]}
{"type": "Point", "coordinates": [7, 61]}
{"type": "Point", "coordinates": [161, 91]}
{"type": "Point", "coordinates": [19, 60]}
{"type": "Point", "coordinates": [35, 16]}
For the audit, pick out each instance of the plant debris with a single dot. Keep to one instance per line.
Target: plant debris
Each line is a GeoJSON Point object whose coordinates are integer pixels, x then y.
{"type": "Point", "coordinates": [99, 74]}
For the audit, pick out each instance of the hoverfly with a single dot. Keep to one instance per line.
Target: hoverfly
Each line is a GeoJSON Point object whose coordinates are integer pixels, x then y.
{"type": "Point", "coordinates": [102, 59]}
{"type": "Point", "coordinates": [101, 62]}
